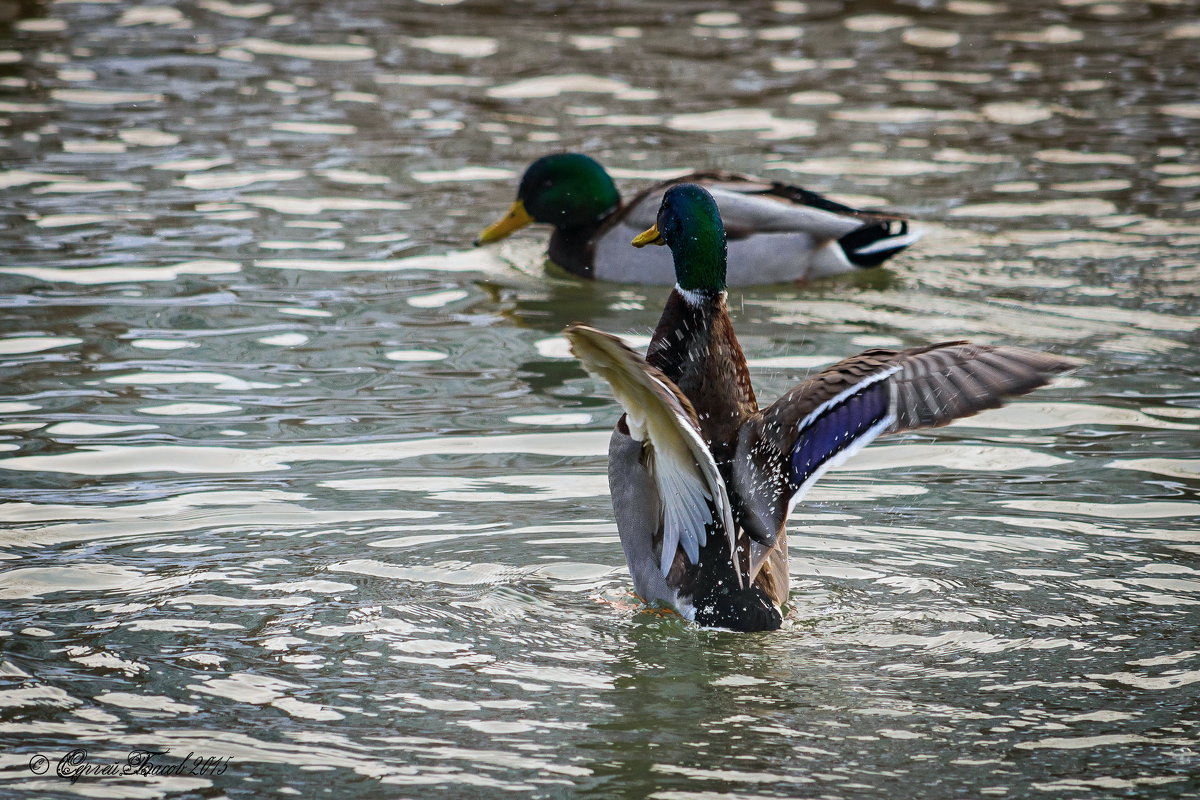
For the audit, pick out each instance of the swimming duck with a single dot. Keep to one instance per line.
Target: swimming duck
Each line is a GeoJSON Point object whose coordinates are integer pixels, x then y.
{"type": "Point", "coordinates": [702, 479]}
{"type": "Point", "coordinates": [776, 232]}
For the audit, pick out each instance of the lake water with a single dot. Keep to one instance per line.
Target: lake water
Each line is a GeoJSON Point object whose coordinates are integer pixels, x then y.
{"type": "Point", "coordinates": [297, 479]}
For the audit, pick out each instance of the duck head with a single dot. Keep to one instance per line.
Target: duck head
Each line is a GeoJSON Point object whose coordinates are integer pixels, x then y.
{"type": "Point", "coordinates": [566, 190]}
{"type": "Point", "coordinates": [690, 224]}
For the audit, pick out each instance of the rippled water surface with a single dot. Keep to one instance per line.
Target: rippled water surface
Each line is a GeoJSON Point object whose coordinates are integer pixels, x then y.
{"type": "Point", "coordinates": [297, 478]}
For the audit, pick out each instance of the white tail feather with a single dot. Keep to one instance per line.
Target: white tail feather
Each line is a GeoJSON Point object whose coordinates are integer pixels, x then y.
{"type": "Point", "coordinates": [891, 243]}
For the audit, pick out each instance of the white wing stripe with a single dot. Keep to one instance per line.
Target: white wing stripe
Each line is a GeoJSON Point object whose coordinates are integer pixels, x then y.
{"type": "Point", "coordinates": [841, 396]}
{"type": "Point", "coordinates": [851, 449]}
{"type": "Point", "coordinates": [861, 441]}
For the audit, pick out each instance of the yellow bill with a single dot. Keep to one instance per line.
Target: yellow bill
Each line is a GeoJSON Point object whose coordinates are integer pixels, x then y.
{"type": "Point", "coordinates": [649, 236]}
{"type": "Point", "coordinates": [516, 218]}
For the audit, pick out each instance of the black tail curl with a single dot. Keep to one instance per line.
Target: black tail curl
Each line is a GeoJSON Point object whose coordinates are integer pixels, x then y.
{"type": "Point", "coordinates": [745, 610]}
{"type": "Point", "coordinates": [869, 234]}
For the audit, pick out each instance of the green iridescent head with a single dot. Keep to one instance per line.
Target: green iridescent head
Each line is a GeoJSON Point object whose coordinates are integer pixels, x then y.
{"type": "Point", "coordinates": [566, 190]}
{"type": "Point", "coordinates": [689, 222]}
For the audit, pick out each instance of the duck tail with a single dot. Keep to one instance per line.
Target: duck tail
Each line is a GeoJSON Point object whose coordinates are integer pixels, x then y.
{"type": "Point", "coordinates": [875, 243]}
{"type": "Point", "coordinates": [747, 610]}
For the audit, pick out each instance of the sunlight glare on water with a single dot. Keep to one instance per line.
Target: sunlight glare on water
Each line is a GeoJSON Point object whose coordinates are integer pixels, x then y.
{"type": "Point", "coordinates": [294, 476]}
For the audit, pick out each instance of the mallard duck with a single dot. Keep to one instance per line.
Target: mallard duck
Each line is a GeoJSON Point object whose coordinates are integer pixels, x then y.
{"type": "Point", "coordinates": [776, 232]}
{"type": "Point", "coordinates": [702, 479]}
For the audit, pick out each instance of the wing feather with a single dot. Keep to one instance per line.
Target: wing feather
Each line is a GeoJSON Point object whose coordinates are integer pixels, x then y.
{"type": "Point", "coordinates": [692, 493]}
{"type": "Point", "coordinates": [786, 447]}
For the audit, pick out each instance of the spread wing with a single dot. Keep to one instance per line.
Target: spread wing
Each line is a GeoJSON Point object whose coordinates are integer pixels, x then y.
{"type": "Point", "coordinates": [691, 491]}
{"type": "Point", "coordinates": [783, 449]}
